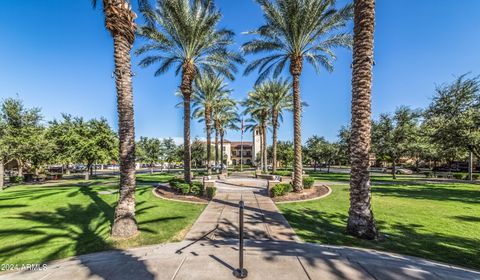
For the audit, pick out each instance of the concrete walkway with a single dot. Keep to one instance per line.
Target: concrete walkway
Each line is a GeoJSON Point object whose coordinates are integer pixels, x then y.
{"type": "Point", "coordinates": [273, 251]}
{"type": "Point", "coordinates": [262, 219]}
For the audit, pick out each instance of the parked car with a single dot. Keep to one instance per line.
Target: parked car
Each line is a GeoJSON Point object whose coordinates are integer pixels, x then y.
{"type": "Point", "coordinates": [219, 167]}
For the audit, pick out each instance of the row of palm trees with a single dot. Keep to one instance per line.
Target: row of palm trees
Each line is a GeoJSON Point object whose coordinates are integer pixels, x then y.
{"type": "Point", "coordinates": [183, 34]}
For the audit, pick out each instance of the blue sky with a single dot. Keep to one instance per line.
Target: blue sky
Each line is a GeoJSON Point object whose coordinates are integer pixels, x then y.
{"type": "Point", "coordinates": [57, 55]}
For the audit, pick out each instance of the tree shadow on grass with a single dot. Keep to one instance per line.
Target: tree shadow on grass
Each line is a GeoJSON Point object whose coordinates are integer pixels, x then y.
{"type": "Point", "coordinates": [404, 238]}
{"type": "Point", "coordinates": [437, 193]}
{"type": "Point", "coordinates": [75, 230]}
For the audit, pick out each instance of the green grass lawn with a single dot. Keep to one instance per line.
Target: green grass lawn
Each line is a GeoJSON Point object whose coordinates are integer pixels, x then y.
{"type": "Point", "coordinates": [434, 221]}
{"type": "Point", "coordinates": [40, 223]}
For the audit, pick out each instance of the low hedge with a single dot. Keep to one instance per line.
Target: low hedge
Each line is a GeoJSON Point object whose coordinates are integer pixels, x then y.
{"type": "Point", "coordinates": [196, 188]}
{"type": "Point", "coordinates": [282, 173]}
{"type": "Point", "coordinates": [458, 176]}
{"type": "Point", "coordinates": [280, 190]}
{"type": "Point", "coordinates": [183, 188]}
{"type": "Point", "coordinates": [210, 192]}
{"type": "Point", "coordinates": [308, 182]}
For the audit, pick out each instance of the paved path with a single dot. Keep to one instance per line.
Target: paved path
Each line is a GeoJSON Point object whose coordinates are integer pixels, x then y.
{"type": "Point", "coordinates": [272, 251]}
{"type": "Point", "coordinates": [262, 219]}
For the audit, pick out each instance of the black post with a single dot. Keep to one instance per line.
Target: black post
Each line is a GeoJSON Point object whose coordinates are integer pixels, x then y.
{"type": "Point", "coordinates": [241, 272]}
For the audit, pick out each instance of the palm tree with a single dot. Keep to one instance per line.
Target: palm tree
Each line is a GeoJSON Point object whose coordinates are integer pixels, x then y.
{"type": "Point", "coordinates": [182, 33]}
{"type": "Point", "coordinates": [360, 216]}
{"type": "Point", "coordinates": [210, 92]}
{"type": "Point", "coordinates": [257, 105]}
{"type": "Point", "coordinates": [280, 98]}
{"type": "Point", "coordinates": [296, 30]}
{"type": "Point", "coordinates": [119, 20]}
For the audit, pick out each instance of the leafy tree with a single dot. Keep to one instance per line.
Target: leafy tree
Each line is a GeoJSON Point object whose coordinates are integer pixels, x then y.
{"type": "Point", "coordinates": [320, 150]}
{"type": "Point", "coordinates": [343, 143]}
{"type": "Point", "coordinates": [79, 141]}
{"type": "Point", "coordinates": [119, 20]}
{"type": "Point", "coordinates": [169, 150]}
{"type": "Point", "coordinates": [286, 154]}
{"type": "Point", "coordinates": [199, 152]}
{"type": "Point", "coordinates": [149, 150]}
{"type": "Point", "coordinates": [454, 115]}
{"type": "Point", "coordinates": [361, 222]}
{"type": "Point", "coordinates": [21, 134]}
{"type": "Point", "coordinates": [393, 137]}
{"type": "Point", "coordinates": [296, 30]}
{"type": "Point", "coordinates": [184, 33]}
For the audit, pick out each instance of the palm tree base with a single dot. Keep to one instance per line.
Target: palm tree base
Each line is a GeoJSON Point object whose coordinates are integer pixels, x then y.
{"type": "Point", "coordinates": [124, 227]}
{"type": "Point", "coordinates": [361, 227]}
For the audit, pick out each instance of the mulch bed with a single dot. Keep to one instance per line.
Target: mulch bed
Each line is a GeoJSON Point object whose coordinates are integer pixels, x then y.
{"type": "Point", "coordinates": [168, 193]}
{"type": "Point", "coordinates": [306, 194]}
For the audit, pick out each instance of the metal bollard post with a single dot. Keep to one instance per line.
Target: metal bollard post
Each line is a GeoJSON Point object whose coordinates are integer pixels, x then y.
{"type": "Point", "coordinates": [240, 272]}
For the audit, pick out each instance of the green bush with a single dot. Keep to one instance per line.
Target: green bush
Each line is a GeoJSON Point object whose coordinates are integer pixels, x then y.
{"type": "Point", "coordinates": [210, 192]}
{"type": "Point", "coordinates": [308, 182]}
{"type": "Point", "coordinates": [475, 176]}
{"type": "Point", "coordinates": [184, 188]}
{"type": "Point", "coordinates": [196, 188]}
{"type": "Point", "coordinates": [280, 189]}
{"type": "Point", "coordinates": [16, 179]}
{"type": "Point", "coordinates": [282, 173]}
{"type": "Point", "coordinates": [458, 176]}
{"type": "Point", "coordinates": [175, 181]}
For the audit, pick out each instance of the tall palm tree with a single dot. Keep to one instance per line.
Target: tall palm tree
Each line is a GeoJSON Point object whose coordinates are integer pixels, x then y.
{"type": "Point", "coordinates": [119, 20]}
{"type": "Point", "coordinates": [296, 30]}
{"type": "Point", "coordinates": [210, 93]}
{"type": "Point", "coordinates": [360, 216]}
{"type": "Point", "coordinates": [182, 33]}
{"type": "Point", "coordinates": [280, 98]}
{"type": "Point", "coordinates": [257, 105]}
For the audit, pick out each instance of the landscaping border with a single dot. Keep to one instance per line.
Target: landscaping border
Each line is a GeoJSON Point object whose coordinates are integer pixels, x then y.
{"type": "Point", "coordinates": [308, 199]}
{"type": "Point", "coordinates": [176, 200]}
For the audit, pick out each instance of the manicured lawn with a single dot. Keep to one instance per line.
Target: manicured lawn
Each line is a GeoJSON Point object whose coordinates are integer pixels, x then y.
{"type": "Point", "coordinates": [40, 223]}
{"type": "Point", "coordinates": [434, 221]}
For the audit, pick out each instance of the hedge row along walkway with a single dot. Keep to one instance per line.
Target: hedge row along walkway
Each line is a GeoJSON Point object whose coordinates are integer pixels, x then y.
{"type": "Point", "coordinates": [272, 251]}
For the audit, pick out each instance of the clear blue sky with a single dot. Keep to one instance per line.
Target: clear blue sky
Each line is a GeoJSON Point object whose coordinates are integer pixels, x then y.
{"type": "Point", "coordinates": [57, 55]}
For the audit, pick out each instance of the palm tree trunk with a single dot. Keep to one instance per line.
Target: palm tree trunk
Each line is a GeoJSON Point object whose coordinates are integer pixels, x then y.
{"type": "Point", "coordinates": [274, 141]}
{"type": "Point", "coordinates": [296, 70]}
{"type": "Point", "coordinates": [360, 216]}
{"type": "Point", "coordinates": [264, 148]}
{"type": "Point", "coordinates": [125, 224]}
{"type": "Point", "coordinates": [216, 146]}
{"type": "Point", "coordinates": [209, 140]}
{"type": "Point", "coordinates": [188, 73]}
{"type": "Point", "coordinates": [261, 148]}
{"type": "Point", "coordinates": [221, 150]}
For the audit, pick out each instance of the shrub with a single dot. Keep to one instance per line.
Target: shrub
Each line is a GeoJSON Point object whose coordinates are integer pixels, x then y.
{"type": "Point", "coordinates": [183, 188]}
{"type": "Point", "coordinates": [280, 189]}
{"type": "Point", "coordinates": [196, 188]}
{"type": "Point", "coordinates": [210, 192]}
{"type": "Point", "coordinates": [308, 182]}
{"type": "Point", "coordinates": [175, 181]}
{"type": "Point", "coordinates": [282, 173]}
{"type": "Point", "coordinates": [458, 176]}
{"type": "Point", "coordinates": [16, 179]}
{"type": "Point", "coordinates": [475, 176]}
